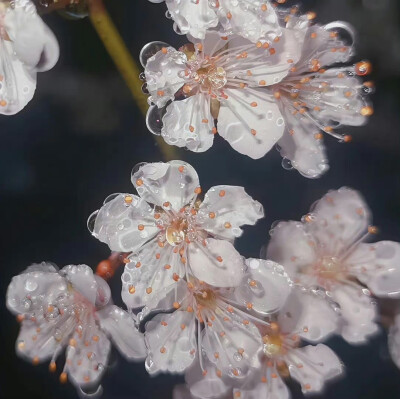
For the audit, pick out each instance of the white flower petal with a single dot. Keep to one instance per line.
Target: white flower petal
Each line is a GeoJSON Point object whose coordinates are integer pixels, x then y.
{"type": "Point", "coordinates": [150, 275]}
{"type": "Point", "coordinates": [39, 282]}
{"type": "Point", "coordinates": [217, 263]}
{"type": "Point", "coordinates": [319, 363]}
{"type": "Point", "coordinates": [249, 20]}
{"type": "Point", "coordinates": [51, 52]}
{"type": "Point", "coordinates": [378, 266]}
{"type": "Point", "coordinates": [273, 388]}
{"type": "Point", "coordinates": [173, 182]}
{"type": "Point", "coordinates": [211, 43]}
{"type": "Point", "coordinates": [341, 217]}
{"type": "Point", "coordinates": [82, 279]}
{"type": "Point", "coordinates": [358, 313]}
{"type": "Point", "coordinates": [162, 73]}
{"type": "Point", "coordinates": [225, 209]}
{"type": "Point", "coordinates": [118, 220]}
{"type": "Point", "coordinates": [301, 145]}
{"type": "Point", "coordinates": [291, 246]}
{"type": "Point", "coordinates": [192, 17]}
{"type": "Point", "coordinates": [265, 286]}
{"type": "Point", "coordinates": [308, 316]}
{"type": "Point", "coordinates": [394, 341]}
{"type": "Point", "coordinates": [86, 361]}
{"type": "Point", "coordinates": [124, 334]}
{"type": "Point", "coordinates": [207, 384]}
{"type": "Point", "coordinates": [171, 342]}
{"type": "Point", "coordinates": [36, 346]}
{"type": "Point", "coordinates": [181, 391]}
{"type": "Point", "coordinates": [224, 347]}
{"type": "Point", "coordinates": [188, 123]}
{"type": "Point", "coordinates": [250, 121]}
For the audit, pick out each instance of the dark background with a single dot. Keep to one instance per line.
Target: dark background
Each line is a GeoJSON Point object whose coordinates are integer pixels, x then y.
{"type": "Point", "coordinates": [78, 140]}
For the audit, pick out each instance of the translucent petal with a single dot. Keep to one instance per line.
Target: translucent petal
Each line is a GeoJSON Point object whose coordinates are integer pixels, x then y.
{"type": "Point", "coordinates": [225, 209]}
{"type": "Point", "coordinates": [123, 332]}
{"type": "Point", "coordinates": [117, 223]}
{"type": "Point", "coordinates": [265, 286]}
{"type": "Point", "coordinates": [394, 341]}
{"type": "Point", "coordinates": [217, 263]}
{"type": "Point", "coordinates": [171, 342]}
{"type": "Point", "coordinates": [250, 121]}
{"type": "Point", "coordinates": [173, 183]}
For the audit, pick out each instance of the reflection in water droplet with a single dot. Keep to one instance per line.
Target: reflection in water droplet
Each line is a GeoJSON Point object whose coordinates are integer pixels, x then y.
{"type": "Point", "coordinates": [149, 50]}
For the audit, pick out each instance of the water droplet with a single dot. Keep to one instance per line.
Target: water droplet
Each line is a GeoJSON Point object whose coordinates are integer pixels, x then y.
{"type": "Point", "coordinates": [154, 119]}
{"type": "Point", "coordinates": [149, 50]}
{"type": "Point", "coordinates": [237, 356]}
{"type": "Point", "coordinates": [31, 285]}
{"type": "Point", "coordinates": [91, 222]}
{"type": "Point", "coordinates": [287, 164]}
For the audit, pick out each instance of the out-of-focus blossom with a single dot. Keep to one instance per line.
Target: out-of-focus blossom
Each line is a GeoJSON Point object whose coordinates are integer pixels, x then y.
{"type": "Point", "coordinates": [317, 96]}
{"type": "Point", "coordinates": [327, 249]}
{"type": "Point", "coordinates": [172, 233]}
{"type": "Point", "coordinates": [222, 320]}
{"type": "Point", "coordinates": [72, 309]}
{"type": "Point", "coordinates": [254, 20]}
{"type": "Point", "coordinates": [27, 46]}
{"type": "Point", "coordinates": [394, 341]}
{"type": "Point", "coordinates": [217, 86]}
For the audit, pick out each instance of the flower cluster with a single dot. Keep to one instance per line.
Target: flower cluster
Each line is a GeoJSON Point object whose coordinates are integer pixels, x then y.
{"type": "Point", "coordinates": [256, 89]}
{"type": "Point", "coordinates": [259, 76]}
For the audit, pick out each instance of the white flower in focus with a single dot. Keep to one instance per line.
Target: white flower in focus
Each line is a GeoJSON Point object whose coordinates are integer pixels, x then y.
{"type": "Point", "coordinates": [172, 233]}
{"type": "Point", "coordinates": [217, 86]}
{"type": "Point", "coordinates": [27, 46]}
{"type": "Point", "coordinates": [394, 341]}
{"type": "Point", "coordinates": [217, 323]}
{"type": "Point", "coordinates": [253, 20]}
{"type": "Point", "coordinates": [71, 309]}
{"type": "Point", "coordinates": [317, 97]}
{"type": "Point", "coordinates": [327, 250]}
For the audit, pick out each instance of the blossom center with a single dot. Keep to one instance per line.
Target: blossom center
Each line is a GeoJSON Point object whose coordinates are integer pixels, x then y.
{"type": "Point", "coordinates": [206, 298]}
{"type": "Point", "coordinates": [176, 232]}
{"type": "Point", "coordinates": [273, 344]}
{"type": "Point", "coordinates": [330, 267]}
{"type": "Point", "coordinates": [211, 77]}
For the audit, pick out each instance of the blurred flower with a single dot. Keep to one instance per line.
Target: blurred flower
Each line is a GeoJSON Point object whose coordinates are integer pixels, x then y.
{"type": "Point", "coordinates": [221, 318]}
{"type": "Point", "coordinates": [172, 233]}
{"type": "Point", "coordinates": [27, 46]}
{"type": "Point", "coordinates": [219, 79]}
{"type": "Point", "coordinates": [394, 341]}
{"type": "Point", "coordinates": [70, 308]}
{"type": "Point", "coordinates": [316, 97]}
{"type": "Point", "coordinates": [326, 249]}
{"type": "Point", "coordinates": [253, 20]}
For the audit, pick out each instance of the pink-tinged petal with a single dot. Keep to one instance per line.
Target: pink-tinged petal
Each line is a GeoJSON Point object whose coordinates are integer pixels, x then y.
{"type": "Point", "coordinates": [267, 388]}
{"type": "Point", "coordinates": [35, 342]}
{"type": "Point", "coordinates": [27, 32]}
{"type": "Point", "coordinates": [124, 223]}
{"type": "Point", "coordinates": [87, 358]}
{"type": "Point", "coordinates": [171, 342]}
{"type": "Point", "coordinates": [309, 316]}
{"type": "Point", "coordinates": [377, 266]}
{"type": "Point", "coordinates": [249, 20]}
{"type": "Point", "coordinates": [82, 279]}
{"type": "Point", "coordinates": [181, 391]}
{"type": "Point", "coordinates": [205, 383]}
{"type": "Point", "coordinates": [232, 344]}
{"type": "Point", "coordinates": [318, 364]}
{"type": "Point", "coordinates": [150, 275]}
{"type": "Point", "coordinates": [188, 123]}
{"type": "Point", "coordinates": [302, 145]}
{"type": "Point", "coordinates": [225, 209]}
{"type": "Point", "coordinates": [250, 121]}
{"type": "Point", "coordinates": [394, 341]}
{"type": "Point", "coordinates": [358, 314]}
{"type": "Point", "coordinates": [163, 75]}
{"type": "Point", "coordinates": [338, 219]}
{"type": "Point", "coordinates": [292, 247]}
{"type": "Point", "coordinates": [191, 17]}
{"type": "Point", "coordinates": [33, 288]}
{"type": "Point", "coordinates": [170, 184]}
{"type": "Point", "coordinates": [217, 263]}
{"type": "Point", "coordinates": [123, 332]}
{"type": "Point", "coordinates": [265, 286]}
